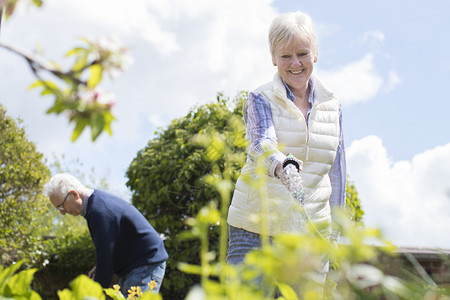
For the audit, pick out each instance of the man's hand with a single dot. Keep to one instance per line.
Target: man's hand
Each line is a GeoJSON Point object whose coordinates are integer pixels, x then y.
{"type": "Point", "coordinates": [91, 273]}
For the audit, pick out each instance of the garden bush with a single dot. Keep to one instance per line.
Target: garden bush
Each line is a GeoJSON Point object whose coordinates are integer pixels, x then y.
{"type": "Point", "coordinates": [63, 259]}
{"type": "Point", "coordinates": [288, 265]}
{"type": "Point", "coordinates": [22, 175]}
{"type": "Point", "coordinates": [166, 179]}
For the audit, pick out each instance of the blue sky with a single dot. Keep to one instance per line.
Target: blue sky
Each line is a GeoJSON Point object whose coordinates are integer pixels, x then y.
{"type": "Point", "coordinates": [387, 61]}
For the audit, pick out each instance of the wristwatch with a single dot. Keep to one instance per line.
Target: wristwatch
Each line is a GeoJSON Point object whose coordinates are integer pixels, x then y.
{"type": "Point", "coordinates": [290, 159]}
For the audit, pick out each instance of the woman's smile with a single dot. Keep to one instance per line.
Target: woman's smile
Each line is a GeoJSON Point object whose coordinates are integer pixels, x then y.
{"type": "Point", "coordinates": [295, 63]}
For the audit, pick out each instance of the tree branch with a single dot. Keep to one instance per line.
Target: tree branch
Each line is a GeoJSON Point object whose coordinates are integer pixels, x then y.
{"type": "Point", "coordinates": [37, 63]}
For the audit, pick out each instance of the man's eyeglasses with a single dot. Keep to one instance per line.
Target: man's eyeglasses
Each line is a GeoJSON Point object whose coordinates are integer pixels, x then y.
{"type": "Point", "coordinates": [61, 207]}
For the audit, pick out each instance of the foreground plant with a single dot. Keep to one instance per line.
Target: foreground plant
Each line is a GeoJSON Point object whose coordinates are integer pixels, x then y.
{"type": "Point", "coordinates": [17, 285]}
{"type": "Point", "coordinates": [135, 292]}
{"type": "Point", "coordinates": [287, 266]}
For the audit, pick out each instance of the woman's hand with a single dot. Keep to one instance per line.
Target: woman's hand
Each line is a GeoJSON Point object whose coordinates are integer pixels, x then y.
{"type": "Point", "coordinates": [290, 177]}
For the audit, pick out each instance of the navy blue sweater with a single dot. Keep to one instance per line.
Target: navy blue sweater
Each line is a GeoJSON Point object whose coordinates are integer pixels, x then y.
{"type": "Point", "coordinates": [123, 238]}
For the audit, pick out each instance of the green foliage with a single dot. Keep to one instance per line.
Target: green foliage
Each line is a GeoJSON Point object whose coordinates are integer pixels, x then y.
{"type": "Point", "coordinates": [167, 182]}
{"type": "Point", "coordinates": [76, 91]}
{"type": "Point", "coordinates": [353, 203]}
{"type": "Point", "coordinates": [82, 288]}
{"type": "Point", "coordinates": [88, 105]}
{"type": "Point", "coordinates": [9, 6]}
{"type": "Point", "coordinates": [194, 161]}
{"type": "Point", "coordinates": [23, 209]}
{"type": "Point", "coordinates": [290, 263]}
{"type": "Point", "coordinates": [63, 258]}
{"type": "Point", "coordinates": [134, 293]}
{"type": "Point", "coordinates": [17, 285]}
{"type": "Point", "coordinates": [32, 230]}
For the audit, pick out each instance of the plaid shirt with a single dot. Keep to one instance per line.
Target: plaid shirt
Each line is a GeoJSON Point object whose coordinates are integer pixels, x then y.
{"type": "Point", "coordinates": [261, 133]}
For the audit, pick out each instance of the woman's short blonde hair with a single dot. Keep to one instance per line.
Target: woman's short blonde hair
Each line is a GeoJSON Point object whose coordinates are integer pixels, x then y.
{"type": "Point", "coordinates": [289, 26]}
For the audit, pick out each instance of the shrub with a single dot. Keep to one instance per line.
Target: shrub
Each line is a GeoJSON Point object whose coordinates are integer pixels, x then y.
{"type": "Point", "coordinates": [22, 175]}
{"type": "Point", "coordinates": [166, 179]}
{"type": "Point", "coordinates": [63, 259]}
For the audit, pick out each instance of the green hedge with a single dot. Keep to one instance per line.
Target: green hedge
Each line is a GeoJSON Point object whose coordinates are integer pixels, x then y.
{"type": "Point", "coordinates": [63, 259]}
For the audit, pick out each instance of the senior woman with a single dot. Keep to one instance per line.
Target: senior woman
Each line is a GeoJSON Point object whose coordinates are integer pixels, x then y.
{"type": "Point", "coordinates": [295, 113]}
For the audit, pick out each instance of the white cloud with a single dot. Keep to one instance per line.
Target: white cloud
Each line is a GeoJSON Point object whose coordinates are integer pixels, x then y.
{"type": "Point", "coordinates": [184, 53]}
{"type": "Point", "coordinates": [143, 19]}
{"type": "Point", "coordinates": [355, 82]}
{"type": "Point", "coordinates": [408, 200]}
{"type": "Point", "coordinates": [156, 120]}
{"type": "Point", "coordinates": [393, 80]}
{"type": "Point", "coordinates": [374, 38]}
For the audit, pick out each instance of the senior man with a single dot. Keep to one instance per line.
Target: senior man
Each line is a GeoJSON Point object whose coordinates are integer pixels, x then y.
{"type": "Point", "coordinates": [126, 244]}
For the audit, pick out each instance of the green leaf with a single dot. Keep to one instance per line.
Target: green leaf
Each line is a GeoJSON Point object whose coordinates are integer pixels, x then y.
{"type": "Point", "coordinates": [75, 51]}
{"type": "Point", "coordinates": [80, 62]}
{"type": "Point", "coordinates": [83, 286]}
{"type": "Point", "coordinates": [112, 293]}
{"type": "Point", "coordinates": [57, 108]}
{"type": "Point", "coordinates": [148, 295]}
{"type": "Point", "coordinates": [65, 295]}
{"type": "Point", "coordinates": [6, 274]}
{"type": "Point", "coordinates": [79, 127]}
{"type": "Point", "coordinates": [47, 83]}
{"type": "Point", "coordinates": [38, 3]}
{"type": "Point", "coordinates": [96, 75]}
{"type": "Point", "coordinates": [46, 91]}
{"type": "Point", "coordinates": [287, 291]}
{"type": "Point", "coordinates": [108, 117]}
{"type": "Point", "coordinates": [190, 269]}
{"type": "Point", "coordinates": [97, 125]}
{"type": "Point", "coordinates": [19, 285]}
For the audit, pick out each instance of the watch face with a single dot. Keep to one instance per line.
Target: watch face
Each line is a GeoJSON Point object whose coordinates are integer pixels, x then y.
{"type": "Point", "coordinates": [291, 160]}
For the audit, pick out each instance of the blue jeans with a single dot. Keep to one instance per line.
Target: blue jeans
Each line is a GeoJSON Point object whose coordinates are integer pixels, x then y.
{"type": "Point", "coordinates": [142, 276]}
{"type": "Point", "coordinates": [240, 242]}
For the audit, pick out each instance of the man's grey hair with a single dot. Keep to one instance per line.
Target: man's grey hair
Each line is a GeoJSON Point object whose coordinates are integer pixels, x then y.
{"type": "Point", "coordinates": [61, 184]}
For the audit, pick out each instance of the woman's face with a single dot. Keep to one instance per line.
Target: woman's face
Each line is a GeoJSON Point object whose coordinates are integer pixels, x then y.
{"type": "Point", "coordinates": [295, 61]}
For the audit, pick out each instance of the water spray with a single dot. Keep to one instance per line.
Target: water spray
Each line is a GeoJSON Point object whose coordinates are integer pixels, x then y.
{"type": "Point", "coordinates": [290, 179]}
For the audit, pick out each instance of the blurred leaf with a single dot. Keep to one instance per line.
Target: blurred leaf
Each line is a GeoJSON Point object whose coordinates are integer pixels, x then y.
{"type": "Point", "coordinates": [108, 119]}
{"type": "Point", "coordinates": [110, 292]}
{"type": "Point", "coordinates": [65, 295]}
{"type": "Point", "coordinates": [150, 296]}
{"type": "Point", "coordinates": [75, 51]}
{"type": "Point", "coordinates": [81, 61]}
{"type": "Point", "coordinates": [45, 83]}
{"type": "Point", "coordinates": [38, 3]}
{"type": "Point", "coordinates": [17, 285]}
{"type": "Point", "coordinates": [57, 108]}
{"type": "Point", "coordinates": [287, 291]}
{"type": "Point", "coordinates": [96, 75]}
{"type": "Point", "coordinates": [188, 268]}
{"type": "Point", "coordinates": [83, 286]}
{"type": "Point", "coordinates": [79, 128]}
{"type": "Point", "coordinates": [97, 124]}
{"type": "Point", "coordinates": [7, 273]}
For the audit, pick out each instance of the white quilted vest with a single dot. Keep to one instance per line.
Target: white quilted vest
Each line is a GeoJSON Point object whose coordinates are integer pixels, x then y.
{"type": "Point", "coordinates": [315, 145]}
